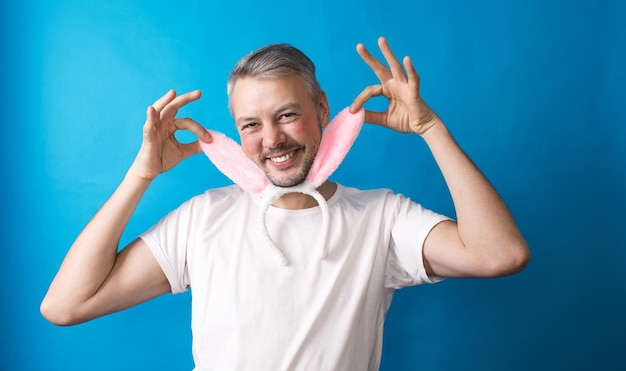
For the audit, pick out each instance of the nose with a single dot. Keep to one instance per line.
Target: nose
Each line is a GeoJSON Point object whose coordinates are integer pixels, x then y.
{"type": "Point", "coordinates": [273, 135]}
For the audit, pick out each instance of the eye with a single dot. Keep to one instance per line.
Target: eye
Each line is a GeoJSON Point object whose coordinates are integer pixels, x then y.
{"type": "Point", "coordinates": [288, 116]}
{"type": "Point", "coordinates": [249, 126]}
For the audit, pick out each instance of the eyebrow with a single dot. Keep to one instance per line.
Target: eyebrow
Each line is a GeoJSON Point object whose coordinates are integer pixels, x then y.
{"type": "Point", "coordinates": [288, 107]}
{"type": "Point", "coordinates": [283, 108]}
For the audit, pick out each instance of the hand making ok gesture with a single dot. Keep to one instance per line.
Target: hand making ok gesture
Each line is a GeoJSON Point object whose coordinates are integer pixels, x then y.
{"type": "Point", "coordinates": [407, 112]}
{"type": "Point", "coordinates": [160, 150]}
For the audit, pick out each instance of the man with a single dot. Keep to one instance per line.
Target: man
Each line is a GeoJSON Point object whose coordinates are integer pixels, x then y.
{"type": "Point", "coordinates": [248, 312]}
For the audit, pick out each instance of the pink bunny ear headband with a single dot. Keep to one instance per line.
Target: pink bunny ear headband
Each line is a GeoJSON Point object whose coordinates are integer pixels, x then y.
{"type": "Point", "coordinates": [336, 141]}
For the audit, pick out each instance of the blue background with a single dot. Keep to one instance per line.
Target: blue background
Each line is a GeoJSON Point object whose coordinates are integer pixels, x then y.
{"type": "Point", "coordinates": [533, 91]}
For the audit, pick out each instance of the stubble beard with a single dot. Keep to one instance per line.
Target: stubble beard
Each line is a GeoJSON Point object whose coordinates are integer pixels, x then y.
{"type": "Point", "coordinates": [301, 175]}
{"type": "Point", "coordinates": [307, 163]}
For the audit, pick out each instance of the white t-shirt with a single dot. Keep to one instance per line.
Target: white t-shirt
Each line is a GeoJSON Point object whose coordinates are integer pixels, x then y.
{"type": "Point", "coordinates": [249, 312]}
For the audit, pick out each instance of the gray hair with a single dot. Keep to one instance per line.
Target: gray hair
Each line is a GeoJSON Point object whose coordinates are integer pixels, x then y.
{"type": "Point", "coordinates": [276, 61]}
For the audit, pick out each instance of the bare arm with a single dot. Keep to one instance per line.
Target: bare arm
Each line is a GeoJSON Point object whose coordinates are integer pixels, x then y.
{"type": "Point", "coordinates": [485, 241]}
{"type": "Point", "coordinates": [94, 279]}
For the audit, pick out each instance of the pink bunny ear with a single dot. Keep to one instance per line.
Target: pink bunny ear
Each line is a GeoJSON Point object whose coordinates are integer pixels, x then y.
{"type": "Point", "coordinates": [227, 156]}
{"type": "Point", "coordinates": [336, 141]}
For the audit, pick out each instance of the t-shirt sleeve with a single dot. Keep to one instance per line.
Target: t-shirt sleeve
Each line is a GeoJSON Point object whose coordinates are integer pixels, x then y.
{"type": "Point", "coordinates": [168, 241]}
{"type": "Point", "coordinates": [412, 224]}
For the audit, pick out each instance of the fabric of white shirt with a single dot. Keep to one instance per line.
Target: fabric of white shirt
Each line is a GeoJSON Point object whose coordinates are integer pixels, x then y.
{"type": "Point", "coordinates": [249, 312]}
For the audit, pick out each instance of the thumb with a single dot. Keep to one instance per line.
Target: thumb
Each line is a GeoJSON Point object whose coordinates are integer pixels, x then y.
{"type": "Point", "coordinates": [189, 149]}
{"type": "Point", "coordinates": [378, 118]}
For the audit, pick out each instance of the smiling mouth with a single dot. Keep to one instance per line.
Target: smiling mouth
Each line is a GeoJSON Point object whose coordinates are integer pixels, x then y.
{"type": "Point", "coordinates": [283, 158]}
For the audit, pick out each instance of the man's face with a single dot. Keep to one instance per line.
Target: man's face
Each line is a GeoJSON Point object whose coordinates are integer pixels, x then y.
{"type": "Point", "coordinates": [279, 125]}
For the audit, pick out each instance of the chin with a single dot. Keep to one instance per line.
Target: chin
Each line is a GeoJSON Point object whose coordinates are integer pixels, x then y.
{"type": "Point", "coordinates": [287, 181]}
{"type": "Point", "coordinates": [284, 183]}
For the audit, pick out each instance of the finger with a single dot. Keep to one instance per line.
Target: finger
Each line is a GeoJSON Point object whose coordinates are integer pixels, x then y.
{"type": "Point", "coordinates": [189, 149]}
{"type": "Point", "coordinates": [194, 127]}
{"type": "Point", "coordinates": [414, 79]}
{"type": "Point", "coordinates": [378, 118]}
{"type": "Point", "coordinates": [172, 107]}
{"type": "Point", "coordinates": [381, 71]}
{"type": "Point", "coordinates": [364, 96]}
{"type": "Point", "coordinates": [396, 68]}
{"type": "Point", "coordinates": [151, 118]}
{"type": "Point", "coordinates": [164, 100]}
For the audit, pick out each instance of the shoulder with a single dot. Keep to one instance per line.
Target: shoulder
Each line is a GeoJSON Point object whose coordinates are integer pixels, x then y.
{"type": "Point", "coordinates": [353, 192]}
{"type": "Point", "coordinates": [369, 196]}
{"type": "Point", "coordinates": [381, 202]}
{"type": "Point", "coordinates": [386, 200]}
{"type": "Point", "coordinates": [218, 195]}
{"type": "Point", "coordinates": [212, 200]}
{"type": "Point", "coordinates": [203, 208]}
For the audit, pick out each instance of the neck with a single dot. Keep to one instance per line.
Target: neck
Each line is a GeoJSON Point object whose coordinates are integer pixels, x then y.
{"type": "Point", "coordinates": [298, 201]}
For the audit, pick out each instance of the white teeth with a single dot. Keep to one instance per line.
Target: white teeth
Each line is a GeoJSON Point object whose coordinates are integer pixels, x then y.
{"type": "Point", "coordinates": [283, 158]}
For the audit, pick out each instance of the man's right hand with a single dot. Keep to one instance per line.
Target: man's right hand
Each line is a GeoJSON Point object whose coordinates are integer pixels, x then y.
{"type": "Point", "coordinates": [94, 279]}
{"type": "Point", "coordinates": [160, 150]}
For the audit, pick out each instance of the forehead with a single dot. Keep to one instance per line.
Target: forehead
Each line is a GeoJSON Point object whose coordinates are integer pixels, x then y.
{"type": "Point", "coordinates": [256, 94]}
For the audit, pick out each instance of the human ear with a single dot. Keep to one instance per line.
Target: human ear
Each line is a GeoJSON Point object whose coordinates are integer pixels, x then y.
{"type": "Point", "coordinates": [324, 110]}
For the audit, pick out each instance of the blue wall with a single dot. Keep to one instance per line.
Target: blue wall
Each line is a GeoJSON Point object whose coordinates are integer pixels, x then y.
{"type": "Point", "coordinates": [533, 90]}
